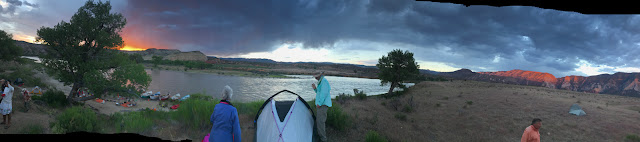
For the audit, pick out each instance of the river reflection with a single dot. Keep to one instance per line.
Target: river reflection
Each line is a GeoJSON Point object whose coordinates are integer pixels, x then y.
{"type": "Point", "coordinates": [254, 88]}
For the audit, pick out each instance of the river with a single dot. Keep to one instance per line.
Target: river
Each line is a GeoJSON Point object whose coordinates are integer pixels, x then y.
{"type": "Point", "coordinates": [247, 89]}
{"type": "Point", "coordinates": [256, 88]}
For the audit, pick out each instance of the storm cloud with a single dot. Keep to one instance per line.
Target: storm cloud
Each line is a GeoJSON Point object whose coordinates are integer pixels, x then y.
{"type": "Point", "coordinates": [480, 38]}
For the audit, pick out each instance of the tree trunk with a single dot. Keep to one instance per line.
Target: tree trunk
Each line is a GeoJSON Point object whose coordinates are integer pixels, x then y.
{"type": "Point", "coordinates": [73, 92]}
{"type": "Point", "coordinates": [393, 85]}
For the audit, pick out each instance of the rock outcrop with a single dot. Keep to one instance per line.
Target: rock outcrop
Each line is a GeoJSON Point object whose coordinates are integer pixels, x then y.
{"type": "Point", "coordinates": [625, 84]}
{"type": "Point", "coordinates": [187, 56]}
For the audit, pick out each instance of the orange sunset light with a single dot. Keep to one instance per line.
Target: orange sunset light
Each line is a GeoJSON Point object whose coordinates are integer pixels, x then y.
{"type": "Point", "coordinates": [131, 48]}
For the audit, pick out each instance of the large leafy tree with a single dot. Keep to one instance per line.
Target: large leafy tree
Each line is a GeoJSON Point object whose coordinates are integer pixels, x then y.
{"type": "Point", "coordinates": [396, 67]}
{"type": "Point", "coordinates": [8, 48]}
{"type": "Point", "coordinates": [84, 52]}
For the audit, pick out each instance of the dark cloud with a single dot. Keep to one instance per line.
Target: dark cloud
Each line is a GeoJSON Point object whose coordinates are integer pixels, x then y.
{"type": "Point", "coordinates": [481, 38]}
{"type": "Point", "coordinates": [31, 4]}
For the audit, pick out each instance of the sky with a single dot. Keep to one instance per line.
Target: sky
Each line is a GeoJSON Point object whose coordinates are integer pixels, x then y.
{"type": "Point", "coordinates": [443, 36]}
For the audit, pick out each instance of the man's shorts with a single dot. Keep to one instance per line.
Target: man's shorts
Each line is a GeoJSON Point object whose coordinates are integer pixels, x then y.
{"type": "Point", "coordinates": [5, 108]}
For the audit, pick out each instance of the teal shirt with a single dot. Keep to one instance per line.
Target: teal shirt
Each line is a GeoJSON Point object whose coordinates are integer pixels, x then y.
{"type": "Point", "coordinates": [323, 95]}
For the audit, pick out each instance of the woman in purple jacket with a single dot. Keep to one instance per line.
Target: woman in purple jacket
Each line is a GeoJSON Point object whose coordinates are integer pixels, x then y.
{"type": "Point", "coordinates": [226, 125]}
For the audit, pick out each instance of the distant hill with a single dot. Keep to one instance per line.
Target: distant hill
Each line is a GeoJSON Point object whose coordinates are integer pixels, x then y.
{"type": "Point", "coordinates": [625, 84]}
{"type": "Point", "coordinates": [30, 49]}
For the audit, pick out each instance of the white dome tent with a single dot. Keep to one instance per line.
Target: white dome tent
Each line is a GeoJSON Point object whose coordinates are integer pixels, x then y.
{"type": "Point", "coordinates": [280, 121]}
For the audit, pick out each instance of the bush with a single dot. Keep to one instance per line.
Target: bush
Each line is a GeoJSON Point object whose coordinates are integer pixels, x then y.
{"type": "Point", "coordinates": [372, 136]}
{"type": "Point", "coordinates": [361, 95]}
{"type": "Point", "coordinates": [75, 119]}
{"type": "Point", "coordinates": [632, 138]}
{"type": "Point", "coordinates": [24, 71]}
{"type": "Point", "coordinates": [401, 116]}
{"type": "Point", "coordinates": [250, 108]}
{"type": "Point", "coordinates": [136, 122]}
{"type": "Point", "coordinates": [53, 98]}
{"type": "Point", "coordinates": [201, 97]}
{"type": "Point", "coordinates": [342, 98]}
{"type": "Point", "coordinates": [195, 113]}
{"type": "Point", "coordinates": [336, 118]}
{"type": "Point", "coordinates": [33, 129]}
{"type": "Point", "coordinates": [407, 108]}
{"type": "Point", "coordinates": [469, 102]}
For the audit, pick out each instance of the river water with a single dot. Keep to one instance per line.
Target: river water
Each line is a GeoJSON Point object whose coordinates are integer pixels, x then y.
{"type": "Point", "coordinates": [247, 89]}
{"type": "Point", "coordinates": [256, 88]}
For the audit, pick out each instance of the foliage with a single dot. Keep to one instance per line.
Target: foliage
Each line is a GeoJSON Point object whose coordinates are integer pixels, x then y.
{"type": "Point", "coordinates": [32, 129]}
{"type": "Point", "coordinates": [336, 118]}
{"type": "Point", "coordinates": [8, 47]}
{"type": "Point", "coordinates": [361, 95]}
{"type": "Point", "coordinates": [25, 71]}
{"type": "Point", "coordinates": [342, 98]}
{"type": "Point", "coordinates": [136, 58]}
{"type": "Point", "coordinates": [83, 50]}
{"type": "Point", "coordinates": [439, 78]}
{"type": "Point", "coordinates": [201, 97]}
{"type": "Point", "coordinates": [128, 76]}
{"type": "Point", "coordinates": [249, 108]}
{"type": "Point", "coordinates": [396, 67]}
{"type": "Point", "coordinates": [372, 136]}
{"type": "Point", "coordinates": [135, 122]}
{"type": "Point", "coordinates": [156, 60]}
{"type": "Point", "coordinates": [401, 116]}
{"type": "Point", "coordinates": [53, 98]}
{"type": "Point", "coordinates": [75, 119]}
{"type": "Point", "coordinates": [632, 138]}
{"type": "Point", "coordinates": [195, 113]}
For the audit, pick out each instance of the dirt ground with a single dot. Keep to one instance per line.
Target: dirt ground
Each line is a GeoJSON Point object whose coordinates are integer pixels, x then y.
{"type": "Point", "coordinates": [479, 111]}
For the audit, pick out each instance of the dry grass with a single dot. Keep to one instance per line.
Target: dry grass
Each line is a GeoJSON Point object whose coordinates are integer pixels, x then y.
{"type": "Point", "coordinates": [499, 112]}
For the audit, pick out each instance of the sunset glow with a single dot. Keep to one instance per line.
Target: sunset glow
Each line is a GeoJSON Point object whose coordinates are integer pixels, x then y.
{"type": "Point", "coordinates": [131, 48]}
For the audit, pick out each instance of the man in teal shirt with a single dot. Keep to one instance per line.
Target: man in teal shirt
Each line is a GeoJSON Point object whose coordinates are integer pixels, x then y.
{"type": "Point", "coordinates": [323, 102]}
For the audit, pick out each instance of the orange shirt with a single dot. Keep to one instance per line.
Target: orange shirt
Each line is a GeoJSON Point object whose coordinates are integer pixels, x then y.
{"type": "Point", "coordinates": [530, 134]}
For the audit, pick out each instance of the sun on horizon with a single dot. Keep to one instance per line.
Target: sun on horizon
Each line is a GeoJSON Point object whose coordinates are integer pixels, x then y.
{"type": "Point", "coordinates": [131, 48]}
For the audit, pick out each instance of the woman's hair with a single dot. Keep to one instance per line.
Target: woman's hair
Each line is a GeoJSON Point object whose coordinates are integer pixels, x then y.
{"type": "Point", "coordinates": [227, 93]}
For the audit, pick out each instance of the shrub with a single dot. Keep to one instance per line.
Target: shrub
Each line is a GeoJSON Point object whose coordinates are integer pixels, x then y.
{"type": "Point", "coordinates": [250, 108]}
{"type": "Point", "coordinates": [361, 95]}
{"type": "Point", "coordinates": [195, 113]}
{"type": "Point", "coordinates": [401, 116]}
{"type": "Point", "coordinates": [336, 118]}
{"type": "Point", "coordinates": [469, 102]}
{"type": "Point", "coordinates": [342, 98]}
{"type": "Point", "coordinates": [53, 98]}
{"type": "Point", "coordinates": [438, 105]}
{"type": "Point", "coordinates": [33, 129]}
{"type": "Point", "coordinates": [632, 138]}
{"type": "Point", "coordinates": [407, 108]}
{"type": "Point", "coordinates": [372, 136]}
{"type": "Point", "coordinates": [75, 119]}
{"type": "Point", "coordinates": [201, 97]}
{"type": "Point", "coordinates": [132, 121]}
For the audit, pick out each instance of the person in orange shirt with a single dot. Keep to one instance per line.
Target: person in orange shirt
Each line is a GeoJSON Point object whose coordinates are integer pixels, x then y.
{"type": "Point", "coordinates": [531, 133]}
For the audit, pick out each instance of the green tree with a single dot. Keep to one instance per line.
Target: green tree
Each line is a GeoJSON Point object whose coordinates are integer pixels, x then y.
{"type": "Point", "coordinates": [8, 48]}
{"type": "Point", "coordinates": [396, 67]}
{"type": "Point", "coordinates": [156, 60]}
{"type": "Point", "coordinates": [84, 51]}
{"type": "Point", "coordinates": [136, 57]}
